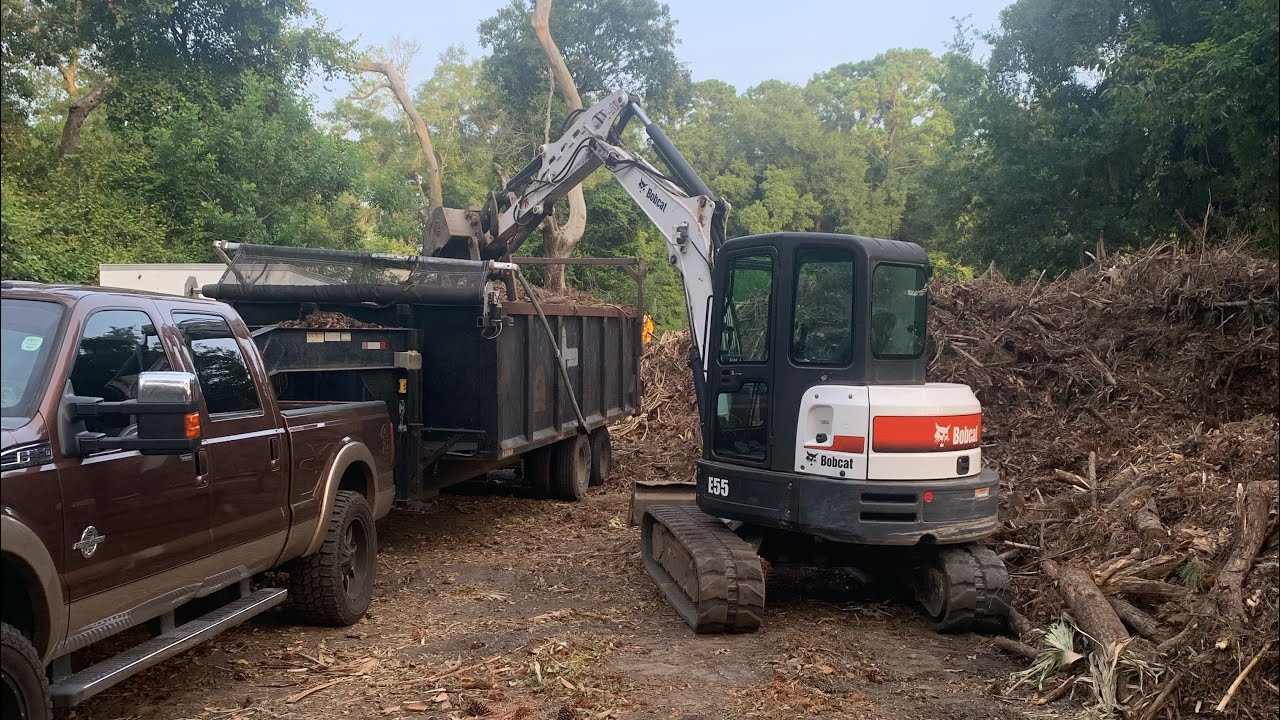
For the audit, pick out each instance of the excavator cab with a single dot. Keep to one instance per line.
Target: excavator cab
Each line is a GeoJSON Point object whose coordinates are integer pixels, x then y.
{"type": "Point", "coordinates": [821, 437]}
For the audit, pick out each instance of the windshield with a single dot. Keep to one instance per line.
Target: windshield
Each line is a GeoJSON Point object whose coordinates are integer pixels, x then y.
{"type": "Point", "coordinates": [899, 302]}
{"type": "Point", "coordinates": [28, 335]}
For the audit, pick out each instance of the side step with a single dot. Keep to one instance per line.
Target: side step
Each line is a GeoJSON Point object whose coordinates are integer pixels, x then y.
{"type": "Point", "coordinates": [75, 689]}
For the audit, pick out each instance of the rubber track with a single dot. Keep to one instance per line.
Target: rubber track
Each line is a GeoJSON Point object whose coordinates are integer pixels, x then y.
{"type": "Point", "coordinates": [977, 590]}
{"type": "Point", "coordinates": [727, 580]}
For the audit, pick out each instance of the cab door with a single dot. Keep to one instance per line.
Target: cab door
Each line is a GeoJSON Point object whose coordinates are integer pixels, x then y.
{"type": "Point", "coordinates": [130, 520]}
{"type": "Point", "coordinates": [740, 380]}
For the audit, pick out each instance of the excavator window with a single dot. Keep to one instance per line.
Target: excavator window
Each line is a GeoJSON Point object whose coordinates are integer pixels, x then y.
{"type": "Point", "coordinates": [742, 396]}
{"type": "Point", "coordinates": [899, 303]}
{"type": "Point", "coordinates": [745, 336]}
{"type": "Point", "coordinates": [822, 324]}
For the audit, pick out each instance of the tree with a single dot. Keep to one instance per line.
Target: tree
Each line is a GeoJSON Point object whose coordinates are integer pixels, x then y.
{"type": "Point", "coordinates": [1098, 121]}
{"type": "Point", "coordinates": [393, 72]}
{"type": "Point", "coordinates": [559, 241]}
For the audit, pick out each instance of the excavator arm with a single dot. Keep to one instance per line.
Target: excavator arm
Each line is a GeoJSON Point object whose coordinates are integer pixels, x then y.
{"type": "Point", "coordinates": [688, 214]}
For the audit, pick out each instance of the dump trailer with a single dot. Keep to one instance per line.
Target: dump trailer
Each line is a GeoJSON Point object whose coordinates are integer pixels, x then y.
{"type": "Point", "coordinates": [477, 373]}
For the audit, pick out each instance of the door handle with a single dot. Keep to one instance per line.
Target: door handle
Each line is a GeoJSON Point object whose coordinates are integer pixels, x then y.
{"type": "Point", "coordinates": [202, 468]}
{"type": "Point", "coordinates": [275, 453]}
{"type": "Point", "coordinates": [730, 380]}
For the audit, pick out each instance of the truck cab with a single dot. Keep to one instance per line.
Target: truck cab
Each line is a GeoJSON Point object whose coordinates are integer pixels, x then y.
{"type": "Point", "coordinates": [147, 464]}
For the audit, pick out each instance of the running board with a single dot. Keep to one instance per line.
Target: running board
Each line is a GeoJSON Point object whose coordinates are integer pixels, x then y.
{"type": "Point", "coordinates": [75, 689]}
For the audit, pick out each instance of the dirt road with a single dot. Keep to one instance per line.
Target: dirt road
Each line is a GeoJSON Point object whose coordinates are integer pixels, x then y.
{"type": "Point", "coordinates": [517, 608]}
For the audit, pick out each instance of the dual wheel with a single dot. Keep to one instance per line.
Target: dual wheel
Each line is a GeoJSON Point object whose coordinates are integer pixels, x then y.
{"type": "Point", "coordinates": [564, 470]}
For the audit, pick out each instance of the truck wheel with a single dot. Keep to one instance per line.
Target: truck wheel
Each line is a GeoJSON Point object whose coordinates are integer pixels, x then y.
{"type": "Point", "coordinates": [601, 456]}
{"type": "Point", "coordinates": [537, 470]}
{"type": "Point", "coordinates": [334, 586]}
{"type": "Point", "coordinates": [24, 688]}
{"type": "Point", "coordinates": [571, 468]}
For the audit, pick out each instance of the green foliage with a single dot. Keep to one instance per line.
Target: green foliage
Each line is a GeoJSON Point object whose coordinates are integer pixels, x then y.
{"type": "Point", "coordinates": [607, 45]}
{"type": "Point", "coordinates": [1108, 120]}
{"type": "Point", "coordinates": [1088, 121]}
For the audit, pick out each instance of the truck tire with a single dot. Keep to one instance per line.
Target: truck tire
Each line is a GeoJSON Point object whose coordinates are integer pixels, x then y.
{"type": "Point", "coordinates": [24, 688]}
{"type": "Point", "coordinates": [601, 456]}
{"type": "Point", "coordinates": [571, 468]}
{"type": "Point", "coordinates": [334, 586]}
{"type": "Point", "coordinates": [537, 470]}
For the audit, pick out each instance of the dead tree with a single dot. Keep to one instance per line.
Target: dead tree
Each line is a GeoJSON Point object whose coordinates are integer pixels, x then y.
{"type": "Point", "coordinates": [393, 74]}
{"type": "Point", "coordinates": [559, 240]}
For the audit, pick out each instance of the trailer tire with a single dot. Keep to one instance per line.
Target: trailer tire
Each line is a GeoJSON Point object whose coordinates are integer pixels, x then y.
{"type": "Point", "coordinates": [24, 688]}
{"type": "Point", "coordinates": [571, 468]}
{"type": "Point", "coordinates": [333, 587]}
{"type": "Point", "coordinates": [601, 456]}
{"type": "Point", "coordinates": [537, 470]}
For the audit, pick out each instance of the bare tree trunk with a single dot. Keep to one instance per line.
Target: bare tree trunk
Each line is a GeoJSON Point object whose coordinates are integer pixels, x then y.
{"type": "Point", "coordinates": [396, 84]}
{"type": "Point", "coordinates": [559, 241]}
{"type": "Point", "coordinates": [77, 112]}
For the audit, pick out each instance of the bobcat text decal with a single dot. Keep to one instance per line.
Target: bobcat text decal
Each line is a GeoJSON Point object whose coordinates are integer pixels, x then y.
{"type": "Point", "coordinates": [926, 433]}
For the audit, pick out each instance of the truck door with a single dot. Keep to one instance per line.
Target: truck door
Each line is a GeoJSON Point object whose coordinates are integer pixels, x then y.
{"type": "Point", "coordinates": [126, 516]}
{"type": "Point", "coordinates": [241, 459]}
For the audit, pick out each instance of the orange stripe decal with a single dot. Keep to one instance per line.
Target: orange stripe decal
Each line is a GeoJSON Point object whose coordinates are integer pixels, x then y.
{"type": "Point", "coordinates": [856, 444]}
{"type": "Point", "coordinates": [926, 433]}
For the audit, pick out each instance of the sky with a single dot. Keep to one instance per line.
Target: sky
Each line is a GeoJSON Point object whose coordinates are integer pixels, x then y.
{"type": "Point", "coordinates": [742, 42]}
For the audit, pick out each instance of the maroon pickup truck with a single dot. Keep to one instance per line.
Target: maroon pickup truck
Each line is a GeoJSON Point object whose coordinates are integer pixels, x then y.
{"type": "Point", "coordinates": [149, 474]}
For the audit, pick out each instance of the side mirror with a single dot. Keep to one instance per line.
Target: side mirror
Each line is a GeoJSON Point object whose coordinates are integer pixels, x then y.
{"type": "Point", "coordinates": [167, 412]}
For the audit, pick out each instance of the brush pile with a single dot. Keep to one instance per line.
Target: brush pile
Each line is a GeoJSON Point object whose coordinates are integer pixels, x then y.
{"type": "Point", "coordinates": [1131, 408]}
{"type": "Point", "coordinates": [663, 441]}
{"type": "Point", "coordinates": [327, 321]}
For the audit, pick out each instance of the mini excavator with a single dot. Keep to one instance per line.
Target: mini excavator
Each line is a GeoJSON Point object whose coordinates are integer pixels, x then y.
{"type": "Point", "coordinates": [823, 444]}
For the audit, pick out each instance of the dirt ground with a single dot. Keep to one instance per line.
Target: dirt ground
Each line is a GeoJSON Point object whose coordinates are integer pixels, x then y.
{"type": "Point", "coordinates": [500, 606]}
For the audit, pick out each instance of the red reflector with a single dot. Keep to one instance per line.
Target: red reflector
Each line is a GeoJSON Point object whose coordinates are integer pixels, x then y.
{"type": "Point", "coordinates": [928, 496]}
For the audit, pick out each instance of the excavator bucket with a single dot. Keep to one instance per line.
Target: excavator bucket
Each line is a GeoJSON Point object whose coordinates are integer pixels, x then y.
{"type": "Point", "coordinates": [646, 494]}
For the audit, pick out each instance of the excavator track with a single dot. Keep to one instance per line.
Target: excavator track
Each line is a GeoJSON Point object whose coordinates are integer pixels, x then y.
{"type": "Point", "coordinates": [964, 588]}
{"type": "Point", "coordinates": [712, 577]}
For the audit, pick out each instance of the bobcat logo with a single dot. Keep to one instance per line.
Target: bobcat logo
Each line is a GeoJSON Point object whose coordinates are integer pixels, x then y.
{"type": "Point", "coordinates": [941, 433]}
{"type": "Point", "coordinates": [810, 456]}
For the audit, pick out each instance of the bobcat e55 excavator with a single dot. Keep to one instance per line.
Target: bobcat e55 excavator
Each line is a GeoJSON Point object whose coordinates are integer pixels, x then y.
{"type": "Point", "coordinates": [821, 436]}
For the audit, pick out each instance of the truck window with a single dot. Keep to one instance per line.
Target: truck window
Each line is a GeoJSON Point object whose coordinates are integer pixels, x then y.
{"type": "Point", "coordinates": [28, 336]}
{"type": "Point", "coordinates": [115, 346]}
{"type": "Point", "coordinates": [220, 365]}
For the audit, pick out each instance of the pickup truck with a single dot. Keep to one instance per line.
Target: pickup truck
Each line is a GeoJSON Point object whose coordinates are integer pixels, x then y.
{"type": "Point", "coordinates": [150, 475]}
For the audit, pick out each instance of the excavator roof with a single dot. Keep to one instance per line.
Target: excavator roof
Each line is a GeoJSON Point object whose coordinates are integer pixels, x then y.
{"type": "Point", "coordinates": [871, 249]}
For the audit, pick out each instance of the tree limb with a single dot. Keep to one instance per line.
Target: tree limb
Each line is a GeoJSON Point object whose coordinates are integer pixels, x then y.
{"type": "Point", "coordinates": [77, 112]}
{"type": "Point", "coordinates": [560, 240]}
{"type": "Point", "coordinates": [396, 83]}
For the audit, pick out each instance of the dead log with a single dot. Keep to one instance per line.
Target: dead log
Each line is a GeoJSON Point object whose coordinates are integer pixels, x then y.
{"type": "Point", "coordinates": [1137, 620]}
{"type": "Point", "coordinates": [1149, 590]}
{"type": "Point", "coordinates": [1131, 498]}
{"type": "Point", "coordinates": [1092, 613]}
{"type": "Point", "coordinates": [1156, 568]}
{"type": "Point", "coordinates": [1019, 623]}
{"type": "Point", "coordinates": [1013, 647]}
{"type": "Point", "coordinates": [1250, 532]}
{"type": "Point", "coordinates": [1147, 522]}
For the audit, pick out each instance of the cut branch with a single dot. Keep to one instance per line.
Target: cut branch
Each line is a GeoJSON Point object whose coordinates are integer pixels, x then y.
{"type": "Point", "coordinates": [1088, 605]}
{"type": "Point", "coordinates": [1251, 530]}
